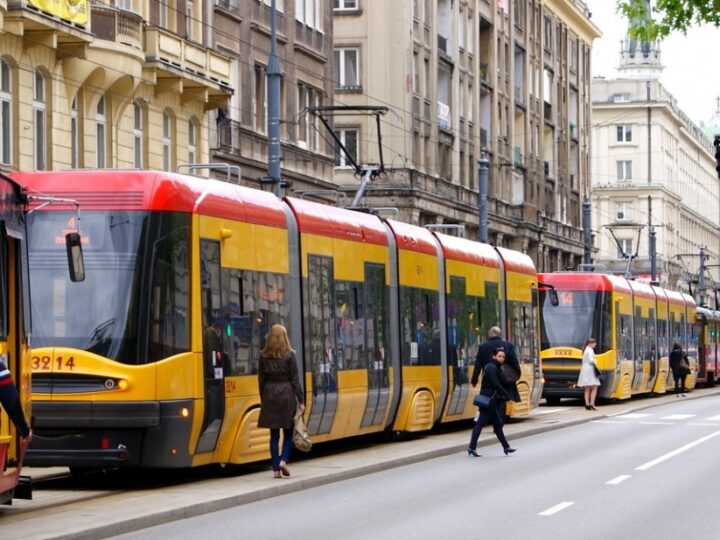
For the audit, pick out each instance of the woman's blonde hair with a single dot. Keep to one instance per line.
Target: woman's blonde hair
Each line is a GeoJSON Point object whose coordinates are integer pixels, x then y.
{"type": "Point", "coordinates": [277, 342]}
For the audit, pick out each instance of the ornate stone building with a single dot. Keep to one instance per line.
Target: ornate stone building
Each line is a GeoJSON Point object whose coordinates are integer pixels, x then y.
{"type": "Point", "coordinates": [101, 85]}
{"type": "Point", "coordinates": [653, 170]}
{"type": "Point", "coordinates": [506, 79]}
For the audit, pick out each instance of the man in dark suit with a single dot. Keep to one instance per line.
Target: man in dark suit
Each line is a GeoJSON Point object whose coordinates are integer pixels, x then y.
{"type": "Point", "coordinates": [485, 353]}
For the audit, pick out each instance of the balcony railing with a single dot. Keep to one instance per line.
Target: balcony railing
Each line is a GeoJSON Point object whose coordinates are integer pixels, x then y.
{"type": "Point", "coordinates": [179, 55]}
{"type": "Point", "coordinates": [112, 24]}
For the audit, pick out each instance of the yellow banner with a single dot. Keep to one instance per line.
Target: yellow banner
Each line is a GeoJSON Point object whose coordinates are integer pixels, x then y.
{"type": "Point", "coordinates": [74, 11]}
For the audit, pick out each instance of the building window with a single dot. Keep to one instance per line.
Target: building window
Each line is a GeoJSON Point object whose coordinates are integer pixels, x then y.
{"type": "Point", "coordinates": [260, 101]}
{"type": "Point", "coordinates": [308, 12]}
{"type": "Point", "coordinates": [6, 101]}
{"type": "Point", "coordinates": [308, 133]}
{"type": "Point", "coordinates": [624, 248]}
{"type": "Point", "coordinates": [279, 4]}
{"type": "Point", "coordinates": [192, 142]}
{"type": "Point", "coordinates": [125, 4]}
{"type": "Point", "coordinates": [167, 141]}
{"type": "Point", "coordinates": [39, 115]}
{"type": "Point", "coordinates": [346, 68]}
{"type": "Point", "coordinates": [621, 98]}
{"type": "Point", "coordinates": [101, 134]}
{"type": "Point", "coordinates": [343, 5]}
{"type": "Point", "coordinates": [189, 20]}
{"type": "Point", "coordinates": [623, 211]}
{"type": "Point", "coordinates": [138, 135]}
{"type": "Point", "coordinates": [74, 134]}
{"type": "Point", "coordinates": [624, 133]}
{"type": "Point", "coordinates": [349, 138]}
{"type": "Point", "coordinates": [164, 19]}
{"type": "Point", "coordinates": [624, 170]}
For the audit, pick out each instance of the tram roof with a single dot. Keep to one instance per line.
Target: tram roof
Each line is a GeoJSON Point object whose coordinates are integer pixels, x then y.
{"type": "Point", "coordinates": [585, 281]}
{"type": "Point", "coordinates": [675, 297]}
{"type": "Point", "coordinates": [154, 190]}
{"type": "Point", "coordinates": [517, 262]}
{"type": "Point", "coordinates": [325, 220]}
{"type": "Point", "coordinates": [642, 289]}
{"type": "Point", "coordinates": [413, 238]}
{"type": "Point", "coordinates": [462, 249]}
{"type": "Point", "coordinates": [689, 300]}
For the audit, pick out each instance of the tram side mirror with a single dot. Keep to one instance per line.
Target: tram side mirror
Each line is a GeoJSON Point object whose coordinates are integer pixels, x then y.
{"type": "Point", "coordinates": [554, 297]}
{"type": "Point", "coordinates": [76, 263]}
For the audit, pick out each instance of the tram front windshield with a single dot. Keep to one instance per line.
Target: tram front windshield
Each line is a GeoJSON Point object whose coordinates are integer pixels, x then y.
{"type": "Point", "coordinates": [132, 306]}
{"type": "Point", "coordinates": [577, 316]}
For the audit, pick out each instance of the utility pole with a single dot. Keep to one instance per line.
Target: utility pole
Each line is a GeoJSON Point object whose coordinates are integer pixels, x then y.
{"type": "Point", "coordinates": [483, 166]}
{"type": "Point", "coordinates": [587, 233]}
{"type": "Point", "coordinates": [273, 84]}
{"type": "Point", "coordinates": [701, 277]}
{"type": "Point", "coordinates": [652, 247]}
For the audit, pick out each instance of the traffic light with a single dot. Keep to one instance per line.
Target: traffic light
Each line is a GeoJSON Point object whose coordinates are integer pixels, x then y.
{"type": "Point", "coordinates": [717, 153]}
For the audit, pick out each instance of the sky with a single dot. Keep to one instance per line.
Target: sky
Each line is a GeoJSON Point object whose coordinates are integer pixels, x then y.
{"type": "Point", "coordinates": [691, 71]}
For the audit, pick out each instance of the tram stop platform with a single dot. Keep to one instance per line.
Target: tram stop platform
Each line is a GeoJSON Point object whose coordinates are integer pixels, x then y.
{"type": "Point", "coordinates": [90, 510]}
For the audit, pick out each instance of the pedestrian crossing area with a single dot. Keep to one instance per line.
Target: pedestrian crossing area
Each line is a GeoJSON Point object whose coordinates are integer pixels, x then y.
{"type": "Point", "coordinates": [661, 419]}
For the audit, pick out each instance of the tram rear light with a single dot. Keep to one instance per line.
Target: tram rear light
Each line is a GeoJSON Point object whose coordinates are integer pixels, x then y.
{"type": "Point", "coordinates": [184, 412]}
{"type": "Point", "coordinates": [105, 443]}
{"type": "Point", "coordinates": [123, 384]}
{"type": "Point", "coordinates": [173, 452]}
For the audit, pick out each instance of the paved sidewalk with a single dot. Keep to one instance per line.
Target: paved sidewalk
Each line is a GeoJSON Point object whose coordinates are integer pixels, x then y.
{"type": "Point", "coordinates": [112, 513]}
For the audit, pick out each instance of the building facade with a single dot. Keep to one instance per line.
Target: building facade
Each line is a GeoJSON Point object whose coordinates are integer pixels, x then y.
{"type": "Point", "coordinates": [91, 85]}
{"type": "Point", "coordinates": [653, 172]}
{"type": "Point", "coordinates": [241, 29]}
{"type": "Point", "coordinates": [509, 80]}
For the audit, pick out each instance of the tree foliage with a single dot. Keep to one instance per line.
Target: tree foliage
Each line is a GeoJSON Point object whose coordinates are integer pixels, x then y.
{"type": "Point", "coordinates": [668, 16]}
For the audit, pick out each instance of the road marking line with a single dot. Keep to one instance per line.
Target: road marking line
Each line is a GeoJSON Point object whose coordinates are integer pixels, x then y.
{"type": "Point", "coordinates": [615, 481]}
{"type": "Point", "coordinates": [677, 417]}
{"type": "Point", "coordinates": [705, 424]}
{"type": "Point", "coordinates": [665, 457]}
{"type": "Point", "coordinates": [715, 418]}
{"type": "Point", "coordinates": [657, 423]}
{"type": "Point", "coordinates": [633, 415]}
{"type": "Point", "coordinates": [555, 509]}
{"type": "Point", "coordinates": [609, 422]}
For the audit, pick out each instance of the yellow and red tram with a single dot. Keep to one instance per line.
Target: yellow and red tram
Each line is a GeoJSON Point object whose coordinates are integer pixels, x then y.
{"type": "Point", "coordinates": [152, 361]}
{"type": "Point", "coordinates": [707, 329]}
{"type": "Point", "coordinates": [14, 331]}
{"type": "Point", "coordinates": [635, 325]}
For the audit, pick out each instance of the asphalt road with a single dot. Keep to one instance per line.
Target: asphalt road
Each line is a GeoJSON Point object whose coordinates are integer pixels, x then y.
{"type": "Point", "coordinates": [644, 475]}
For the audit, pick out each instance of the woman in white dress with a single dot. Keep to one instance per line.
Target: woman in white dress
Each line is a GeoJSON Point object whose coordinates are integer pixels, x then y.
{"type": "Point", "coordinates": [587, 378]}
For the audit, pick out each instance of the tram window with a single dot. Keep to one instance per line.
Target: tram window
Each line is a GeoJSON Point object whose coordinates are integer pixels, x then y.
{"type": "Point", "coordinates": [419, 320]}
{"type": "Point", "coordinates": [350, 327]}
{"type": "Point", "coordinates": [252, 302]}
{"type": "Point", "coordinates": [3, 288]}
{"type": "Point", "coordinates": [320, 343]}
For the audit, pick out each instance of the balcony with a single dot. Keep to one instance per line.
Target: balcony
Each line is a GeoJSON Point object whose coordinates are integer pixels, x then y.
{"type": "Point", "coordinates": [54, 26]}
{"type": "Point", "coordinates": [117, 25]}
{"type": "Point", "coordinates": [483, 138]}
{"type": "Point", "coordinates": [187, 68]}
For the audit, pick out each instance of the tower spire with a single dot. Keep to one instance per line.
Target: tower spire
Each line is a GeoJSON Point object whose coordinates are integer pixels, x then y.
{"type": "Point", "coordinates": [644, 63]}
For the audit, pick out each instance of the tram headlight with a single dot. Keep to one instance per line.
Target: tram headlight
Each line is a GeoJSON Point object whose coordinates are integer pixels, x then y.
{"type": "Point", "coordinates": [184, 412]}
{"type": "Point", "coordinates": [123, 384]}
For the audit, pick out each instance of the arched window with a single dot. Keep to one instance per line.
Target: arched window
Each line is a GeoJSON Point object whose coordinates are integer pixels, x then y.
{"type": "Point", "coordinates": [101, 134]}
{"type": "Point", "coordinates": [167, 141]}
{"type": "Point", "coordinates": [6, 106]}
{"type": "Point", "coordinates": [139, 134]}
{"type": "Point", "coordinates": [192, 141]}
{"type": "Point", "coordinates": [39, 121]}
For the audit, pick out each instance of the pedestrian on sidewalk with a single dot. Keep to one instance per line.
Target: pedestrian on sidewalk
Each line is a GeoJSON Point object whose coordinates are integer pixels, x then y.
{"type": "Point", "coordinates": [493, 387]}
{"type": "Point", "coordinates": [680, 368]}
{"type": "Point", "coordinates": [280, 395]}
{"type": "Point", "coordinates": [10, 401]}
{"type": "Point", "coordinates": [484, 354]}
{"type": "Point", "coordinates": [589, 377]}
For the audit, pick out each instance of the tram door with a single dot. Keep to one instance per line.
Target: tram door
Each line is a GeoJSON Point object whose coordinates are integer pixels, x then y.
{"type": "Point", "coordinates": [321, 358]}
{"type": "Point", "coordinates": [373, 316]}
{"type": "Point", "coordinates": [214, 364]}
{"type": "Point", "coordinates": [459, 341]}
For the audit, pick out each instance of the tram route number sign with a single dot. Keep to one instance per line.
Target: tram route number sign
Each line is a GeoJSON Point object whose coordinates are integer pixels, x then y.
{"type": "Point", "coordinates": [46, 363]}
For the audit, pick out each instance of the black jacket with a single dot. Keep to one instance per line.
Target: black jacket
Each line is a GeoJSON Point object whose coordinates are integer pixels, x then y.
{"type": "Point", "coordinates": [484, 356]}
{"type": "Point", "coordinates": [492, 384]}
{"type": "Point", "coordinates": [675, 358]}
